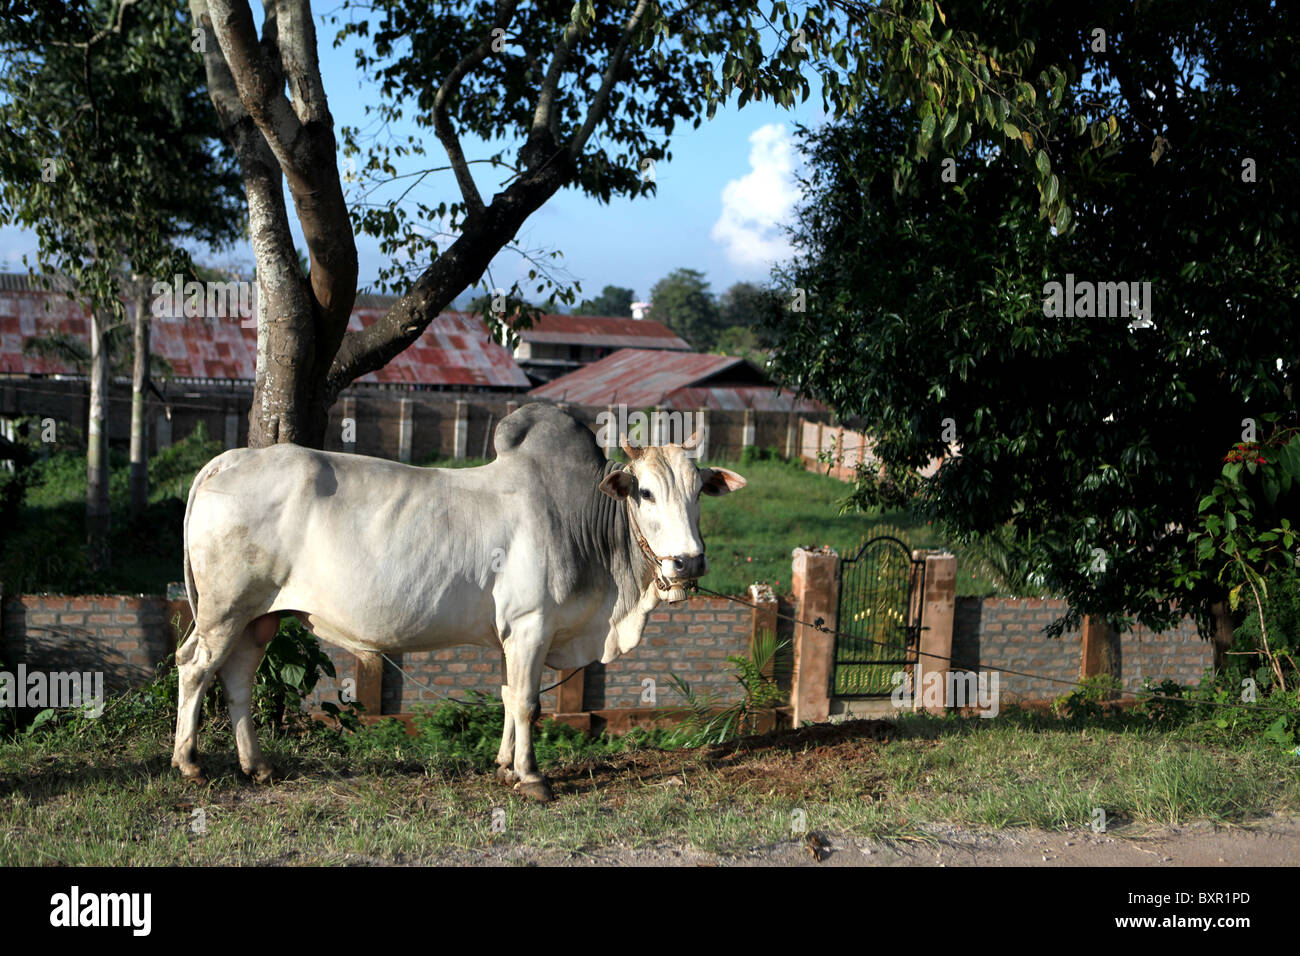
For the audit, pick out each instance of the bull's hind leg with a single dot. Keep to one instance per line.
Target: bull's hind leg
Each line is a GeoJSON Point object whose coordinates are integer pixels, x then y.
{"type": "Point", "coordinates": [506, 752]}
{"type": "Point", "coordinates": [197, 662]}
{"type": "Point", "coordinates": [525, 650]}
{"type": "Point", "coordinates": [238, 674]}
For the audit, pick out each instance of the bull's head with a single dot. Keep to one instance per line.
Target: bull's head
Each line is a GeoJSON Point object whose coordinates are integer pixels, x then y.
{"type": "Point", "coordinates": [661, 487]}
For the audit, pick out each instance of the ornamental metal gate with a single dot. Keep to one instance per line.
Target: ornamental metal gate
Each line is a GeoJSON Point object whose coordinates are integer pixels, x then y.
{"type": "Point", "coordinates": [879, 618]}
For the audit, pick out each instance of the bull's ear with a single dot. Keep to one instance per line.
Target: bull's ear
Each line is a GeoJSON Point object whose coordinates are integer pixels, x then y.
{"type": "Point", "coordinates": [720, 481]}
{"type": "Point", "coordinates": [619, 484]}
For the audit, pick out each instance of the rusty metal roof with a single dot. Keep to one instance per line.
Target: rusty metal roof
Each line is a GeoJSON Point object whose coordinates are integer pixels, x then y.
{"type": "Point", "coordinates": [455, 349]}
{"type": "Point", "coordinates": [601, 330]}
{"type": "Point", "coordinates": [646, 377]}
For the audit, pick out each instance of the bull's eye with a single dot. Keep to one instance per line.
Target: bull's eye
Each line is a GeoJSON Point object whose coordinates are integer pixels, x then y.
{"type": "Point", "coordinates": [646, 496]}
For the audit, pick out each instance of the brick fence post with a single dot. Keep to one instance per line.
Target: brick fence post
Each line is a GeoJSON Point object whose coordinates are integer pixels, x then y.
{"type": "Point", "coordinates": [816, 593]}
{"type": "Point", "coordinates": [1102, 650]}
{"type": "Point", "coordinates": [763, 621]}
{"type": "Point", "coordinates": [938, 603]}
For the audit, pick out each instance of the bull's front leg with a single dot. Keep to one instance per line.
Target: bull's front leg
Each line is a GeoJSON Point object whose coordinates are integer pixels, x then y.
{"type": "Point", "coordinates": [526, 649]}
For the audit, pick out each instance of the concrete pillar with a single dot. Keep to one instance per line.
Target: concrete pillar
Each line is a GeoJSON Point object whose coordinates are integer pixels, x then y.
{"type": "Point", "coordinates": [232, 430]}
{"type": "Point", "coordinates": [349, 436]}
{"type": "Point", "coordinates": [370, 682]}
{"type": "Point", "coordinates": [792, 427]}
{"type": "Point", "coordinates": [938, 604]}
{"type": "Point", "coordinates": [613, 434]}
{"type": "Point", "coordinates": [816, 593]}
{"type": "Point", "coordinates": [570, 692]}
{"type": "Point", "coordinates": [747, 435]}
{"type": "Point", "coordinates": [659, 427]}
{"type": "Point", "coordinates": [164, 432]}
{"type": "Point", "coordinates": [405, 429]}
{"type": "Point", "coordinates": [763, 622]}
{"type": "Point", "coordinates": [460, 448]}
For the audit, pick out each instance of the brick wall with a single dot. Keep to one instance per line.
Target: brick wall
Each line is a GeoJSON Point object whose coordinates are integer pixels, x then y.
{"type": "Point", "coordinates": [692, 641]}
{"type": "Point", "coordinates": [127, 636]}
{"type": "Point", "coordinates": [1007, 632]}
{"type": "Point", "coordinates": [123, 636]}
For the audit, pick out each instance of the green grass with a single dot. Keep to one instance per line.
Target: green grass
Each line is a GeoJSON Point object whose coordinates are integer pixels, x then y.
{"type": "Point", "coordinates": [750, 534]}
{"type": "Point", "coordinates": [103, 794]}
{"type": "Point", "coordinates": [45, 549]}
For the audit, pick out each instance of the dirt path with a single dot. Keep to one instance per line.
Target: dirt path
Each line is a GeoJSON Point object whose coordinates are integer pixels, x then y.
{"type": "Point", "coordinates": [1273, 842]}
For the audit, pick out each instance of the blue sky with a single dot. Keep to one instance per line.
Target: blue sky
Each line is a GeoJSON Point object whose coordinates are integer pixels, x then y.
{"type": "Point", "coordinates": [719, 200]}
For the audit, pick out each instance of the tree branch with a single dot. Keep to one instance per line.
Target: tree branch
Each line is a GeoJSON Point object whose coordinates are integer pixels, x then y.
{"type": "Point", "coordinates": [600, 103]}
{"type": "Point", "coordinates": [442, 126]}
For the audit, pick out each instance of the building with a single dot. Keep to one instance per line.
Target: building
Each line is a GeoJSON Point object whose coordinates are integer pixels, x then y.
{"type": "Point", "coordinates": [437, 397]}
{"type": "Point", "coordinates": [455, 352]}
{"type": "Point", "coordinates": [559, 344]}
{"type": "Point", "coordinates": [735, 402]}
{"type": "Point", "coordinates": [640, 378]}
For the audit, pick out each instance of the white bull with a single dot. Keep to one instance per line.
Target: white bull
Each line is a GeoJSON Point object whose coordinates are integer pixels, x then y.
{"type": "Point", "coordinates": [550, 553]}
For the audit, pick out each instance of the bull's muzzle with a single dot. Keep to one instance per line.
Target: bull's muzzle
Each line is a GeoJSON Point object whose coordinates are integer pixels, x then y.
{"type": "Point", "coordinates": [689, 566]}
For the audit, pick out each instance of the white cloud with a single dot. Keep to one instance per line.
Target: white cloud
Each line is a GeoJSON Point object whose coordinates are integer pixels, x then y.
{"type": "Point", "coordinates": [754, 206]}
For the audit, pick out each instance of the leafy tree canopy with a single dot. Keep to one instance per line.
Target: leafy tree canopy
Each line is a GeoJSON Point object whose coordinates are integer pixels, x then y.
{"type": "Point", "coordinates": [682, 301]}
{"type": "Point", "coordinates": [612, 300]}
{"type": "Point", "coordinates": [1093, 429]}
{"type": "Point", "coordinates": [109, 149]}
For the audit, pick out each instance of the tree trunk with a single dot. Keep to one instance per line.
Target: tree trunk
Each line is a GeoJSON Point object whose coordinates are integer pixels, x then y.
{"type": "Point", "coordinates": [139, 384]}
{"type": "Point", "coordinates": [97, 504]}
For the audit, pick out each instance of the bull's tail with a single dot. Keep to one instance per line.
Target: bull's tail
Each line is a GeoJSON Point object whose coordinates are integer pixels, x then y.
{"type": "Point", "coordinates": [191, 592]}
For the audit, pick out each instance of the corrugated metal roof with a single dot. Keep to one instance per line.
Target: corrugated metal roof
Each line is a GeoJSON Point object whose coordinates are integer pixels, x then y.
{"type": "Point", "coordinates": [455, 349]}
{"type": "Point", "coordinates": [25, 282]}
{"type": "Point", "coordinates": [610, 331]}
{"type": "Point", "coordinates": [645, 377]}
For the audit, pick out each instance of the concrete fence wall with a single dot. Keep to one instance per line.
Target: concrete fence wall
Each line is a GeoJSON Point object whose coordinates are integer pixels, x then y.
{"type": "Point", "coordinates": [399, 424]}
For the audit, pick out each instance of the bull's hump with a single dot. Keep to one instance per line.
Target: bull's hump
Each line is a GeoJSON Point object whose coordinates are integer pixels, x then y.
{"type": "Point", "coordinates": [538, 430]}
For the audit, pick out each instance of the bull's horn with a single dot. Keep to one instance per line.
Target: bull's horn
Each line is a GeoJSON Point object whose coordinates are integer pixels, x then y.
{"type": "Point", "coordinates": [691, 443]}
{"type": "Point", "coordinates": [632, 451]}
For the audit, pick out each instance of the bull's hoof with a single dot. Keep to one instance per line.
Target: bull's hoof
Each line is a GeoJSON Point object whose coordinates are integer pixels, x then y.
{"type": "Point", "coordinates": [194, 779]}
{"type": "Point", "coordinates": [539, 790]}
{"type": "Point", "coordinates": [507, 776]}
{"type": "Point", "coordinates": [262, 773]}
